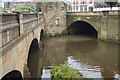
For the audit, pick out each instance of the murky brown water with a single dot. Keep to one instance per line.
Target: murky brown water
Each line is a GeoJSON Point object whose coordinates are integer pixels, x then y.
{"type": "Point", "coordinates": [93, 58]}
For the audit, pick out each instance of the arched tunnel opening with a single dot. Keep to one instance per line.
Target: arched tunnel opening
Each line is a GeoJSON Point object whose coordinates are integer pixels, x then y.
{"type": "Point", "coordinates": [13, 75]}
{"type": "Point", "coordinates": [82, 28]}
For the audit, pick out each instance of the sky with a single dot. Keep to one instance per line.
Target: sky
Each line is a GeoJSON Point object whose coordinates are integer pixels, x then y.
{"type": "Point", "coordinates": [48, 0]}
{"type": "Point", "coordinates": [32, 0]}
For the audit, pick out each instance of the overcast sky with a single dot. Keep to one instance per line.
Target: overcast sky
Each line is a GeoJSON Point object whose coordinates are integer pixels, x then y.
{"type": "Point", "coordinates": [50, 0]}
{"type": "Point", "coordinates": [32, 0]}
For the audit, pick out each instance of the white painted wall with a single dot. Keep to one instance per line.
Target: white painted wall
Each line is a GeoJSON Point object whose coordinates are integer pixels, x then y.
{"type": "Point", "coordinates": [107, 8]}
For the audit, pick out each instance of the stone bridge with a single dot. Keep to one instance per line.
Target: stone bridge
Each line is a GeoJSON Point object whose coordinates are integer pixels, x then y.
{"type": "Point", "coordinates": [19, 32]}
{"type": "Point", "coordinates": [22, 33]}
{"type": "Point", "coordinates": [105, 23]}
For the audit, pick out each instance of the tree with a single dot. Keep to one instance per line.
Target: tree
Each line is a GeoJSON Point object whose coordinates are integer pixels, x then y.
{"type": "Point", "coordinates": [38, 6]}
{"type": "Point", "coordinates": [111, 3]}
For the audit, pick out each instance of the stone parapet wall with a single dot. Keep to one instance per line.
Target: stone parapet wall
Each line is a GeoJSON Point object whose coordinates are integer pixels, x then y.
{"type": "Point", "coordinates": [29, 15]}
{"type": "Point", "coordinates": [16, 24]}
{"type": "Point", "coordinates": [9, 27]}
{"type": "Point", "coordinates": [15, 40]}
{"type": "Point", "coordinates": [94, 13]}
{"type": "Point", "coordinates": [8, 17]}
{"type": "Point", "coordinates": [106, 23]}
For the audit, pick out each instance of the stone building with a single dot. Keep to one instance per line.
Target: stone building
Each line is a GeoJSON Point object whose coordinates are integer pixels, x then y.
{"type": "Point", "coordinates": [54, 17]}
{"type": "Point", "coordinates": [86, 5]}
{"type": "Point", "coordinates": [82, 5]}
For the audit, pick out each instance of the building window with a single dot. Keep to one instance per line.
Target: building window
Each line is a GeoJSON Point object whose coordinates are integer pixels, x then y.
{"type": "Point", "coordinates": [57, 22]}
{"type": "Point", "coordinates": [81, 8]}
{"type": "Point", "coordinates": [85, 8]}
{"type": "Point", "coordinates": [77, 8]}
{"type": "Point", "coordinates": [83, 1]}
{"type": "Point", "coordinates": [77, 2]}
{"type": "Point", "coordinates": [90, 1]}
{"type": "Point", "coordinates": [74, 3]}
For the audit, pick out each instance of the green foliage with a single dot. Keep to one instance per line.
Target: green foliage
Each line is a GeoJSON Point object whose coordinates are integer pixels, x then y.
{"type": "Point", "coordinates": [111, 3]}
{"type": "Point", "coordinates": [1, 11]}
{"type": "Point", "coordinates": [65, 32]}
{"type": "Point", "coordinates": [58, 34]}
{"type": "Point", "coordinates": [25, 9]}
{"type": "Point", "coordinates": [64, 72]}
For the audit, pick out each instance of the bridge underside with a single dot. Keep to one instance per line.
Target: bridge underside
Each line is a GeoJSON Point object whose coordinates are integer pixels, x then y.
{"type": "Point", "coordinates": [15, 74]}
{"type": "Point", "coordinates": [82, 28]}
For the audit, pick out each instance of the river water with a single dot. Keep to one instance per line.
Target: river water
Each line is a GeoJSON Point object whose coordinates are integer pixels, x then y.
{"type": "Point", "coordinates": [93, 58]}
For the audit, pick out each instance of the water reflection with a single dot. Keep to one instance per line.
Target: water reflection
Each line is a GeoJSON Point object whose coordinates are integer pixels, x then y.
{"type": "Point", "coordinates": [55, 51]}
{"type": "Point", "coordinates": [35, 63]}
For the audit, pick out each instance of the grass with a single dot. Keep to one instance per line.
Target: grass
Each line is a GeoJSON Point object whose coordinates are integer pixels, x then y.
{"type": "Point", "coordinates": [1, 11]}
{"type": "Point", "coordinates": [64, 72]}
{"type": "Point", "coordinates": [25, 9]}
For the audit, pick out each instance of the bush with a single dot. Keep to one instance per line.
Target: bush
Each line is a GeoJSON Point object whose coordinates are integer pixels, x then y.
{"type": "Point", "coordinates": [63, 72]}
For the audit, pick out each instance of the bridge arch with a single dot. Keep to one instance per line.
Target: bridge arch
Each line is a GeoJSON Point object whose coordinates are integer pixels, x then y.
{"type": "Point", "coordinates": [13, 75]}
{"type": "Point", "coordinates": [33, 50]}
{"type": "Point", "coordinates": [82, 28]}
{"type": "Point", "coordinates": [34, 45]}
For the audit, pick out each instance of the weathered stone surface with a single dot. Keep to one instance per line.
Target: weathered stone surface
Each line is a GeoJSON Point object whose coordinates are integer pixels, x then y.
{"type": "Point", "coordinates": [54, 17]}
{"type": "Point", "coordinates": [106, 23]}
{"type": "Point", "coordinates": [19, 30]}
{"type": "Point", "coordinates": [16, 44]}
